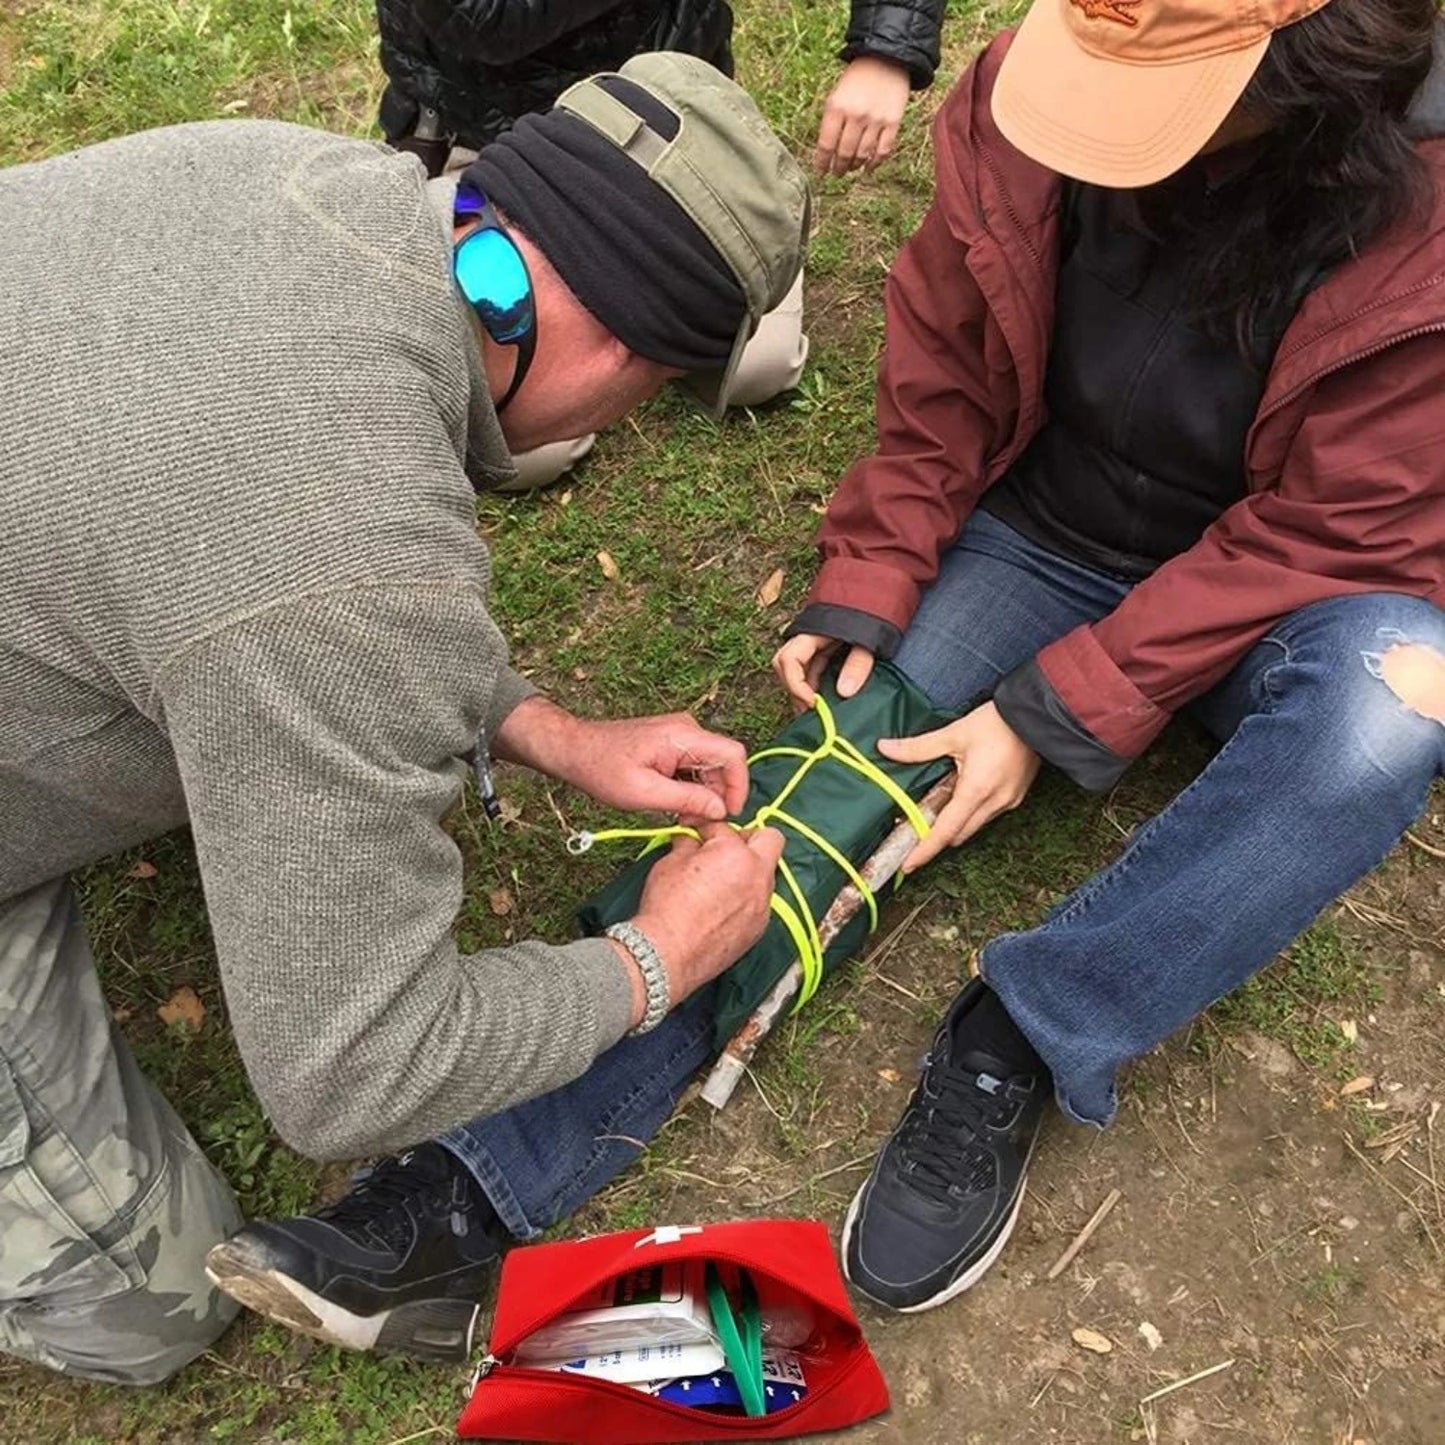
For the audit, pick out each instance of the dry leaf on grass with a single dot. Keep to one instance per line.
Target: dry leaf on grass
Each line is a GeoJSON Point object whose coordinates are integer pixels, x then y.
{"type": "Point", "coordinates": [771, 589]}
{"type": "Point", "coordinates": [501, 902]}
{"type": "Point", "coordinates": [1358, 1086]}
{"type": "Point", "coordinates": [143, 870]}
{"type": "Point", "coordinates": [183, 1007]}
{"type": "Point", "coordinates": [1092, 1340]}
{"type": "Point", "coordinates": [1151, 1335]}
{"type": "Point", "coordinates": [889, 1076]}
{"type": "Point", "coordinates": [608, 563]}
{"type": "Point", "coordinates": [1351, 1030]}
{"type": "Point", "coordinates": [510, 812]}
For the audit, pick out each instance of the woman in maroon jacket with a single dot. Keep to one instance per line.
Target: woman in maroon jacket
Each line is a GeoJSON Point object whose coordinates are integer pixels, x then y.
{"type": "Point", "coordinates": [1161, 425]}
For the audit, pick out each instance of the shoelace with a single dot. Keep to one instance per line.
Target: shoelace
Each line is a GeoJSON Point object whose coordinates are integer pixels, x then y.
{"type": "Point", "coordinates": [383, 1202]}
{"type": "Point", "coordinates": [943, 1139]}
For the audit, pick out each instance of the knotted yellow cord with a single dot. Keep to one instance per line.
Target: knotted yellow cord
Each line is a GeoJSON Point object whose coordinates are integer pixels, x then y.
{"type": "Point", "coordinates": [801, 926]}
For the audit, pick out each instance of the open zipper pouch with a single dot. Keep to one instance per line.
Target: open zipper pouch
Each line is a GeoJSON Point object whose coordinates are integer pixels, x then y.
{"type": "Point", "coordinates": [774, 1280]}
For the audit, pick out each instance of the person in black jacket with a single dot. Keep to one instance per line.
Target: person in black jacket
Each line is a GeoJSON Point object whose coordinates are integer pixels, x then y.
{"type": "Point", "coordinates": [461, 71]}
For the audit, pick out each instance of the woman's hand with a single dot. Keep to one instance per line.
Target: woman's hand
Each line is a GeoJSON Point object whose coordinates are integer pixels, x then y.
{"type": "Point", "coordinates": [801, 661]}
{"type": "Point", "coordinates": [861, 116]}
{"type": "Point", "coordinates": [995, 771]}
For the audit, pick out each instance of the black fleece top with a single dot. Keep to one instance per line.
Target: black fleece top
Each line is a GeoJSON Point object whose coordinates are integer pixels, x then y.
{"type": "Point", "coordinates": [1147, 416]}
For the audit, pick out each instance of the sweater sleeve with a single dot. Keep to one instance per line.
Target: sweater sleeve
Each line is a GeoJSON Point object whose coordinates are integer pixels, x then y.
{"type": "Point", "coordinates": [502, 32]}
{"type": "Point", "coordinates": [318, 744]}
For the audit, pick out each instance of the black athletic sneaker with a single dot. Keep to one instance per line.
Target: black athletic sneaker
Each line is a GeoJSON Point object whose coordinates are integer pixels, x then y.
{"type": "Point", "coordinates": [399, 1265]}
{"type": "Point", "coordinates": [946, 1188]}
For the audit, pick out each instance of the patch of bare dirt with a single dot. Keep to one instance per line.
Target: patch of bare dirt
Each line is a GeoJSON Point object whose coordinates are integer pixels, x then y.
{"type": "Point", "coordinates": [1266, 1223]}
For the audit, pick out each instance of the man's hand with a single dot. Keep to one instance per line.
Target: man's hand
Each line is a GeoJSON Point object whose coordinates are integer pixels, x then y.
{"type": "Point", "coordinates": [861, 116]}
{"type": "Point", "coordinates": [801, 661]}
{"type": "Point", "coordinates": [706, 903]}
{"type": "Point", "coordinates": [659, 764]}
{"type": "Point", "coordinates": [995, 770]}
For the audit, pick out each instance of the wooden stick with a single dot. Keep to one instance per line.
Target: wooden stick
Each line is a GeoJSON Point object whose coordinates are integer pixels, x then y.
{"type": "Point", "coordinates": [1187, 1380]}
{"type": "Point", "coordinates": [884, 863]}
{"type": "Point", "coordinates": [1084, 1235]}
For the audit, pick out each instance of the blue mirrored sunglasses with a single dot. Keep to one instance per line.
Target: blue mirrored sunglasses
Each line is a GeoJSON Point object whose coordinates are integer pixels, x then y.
{"type": "Point", "coordinates": [493, 277]}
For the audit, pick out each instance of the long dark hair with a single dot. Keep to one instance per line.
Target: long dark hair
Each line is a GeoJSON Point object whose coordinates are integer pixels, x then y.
{"type": "Point", "coordinates": [1336, 167]}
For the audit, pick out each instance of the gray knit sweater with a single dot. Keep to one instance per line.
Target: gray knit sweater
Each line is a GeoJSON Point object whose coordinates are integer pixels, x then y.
{"type": "Point", "coordinates": [241, 587]}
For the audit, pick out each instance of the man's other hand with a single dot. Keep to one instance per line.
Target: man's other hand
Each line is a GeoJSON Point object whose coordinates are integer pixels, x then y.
{"type": "Point", "coordinates": [647, 764]}
{"type": "Point", "coordinates": [707, 902]}
{"type": "Point", "coordinates": [663, 765]}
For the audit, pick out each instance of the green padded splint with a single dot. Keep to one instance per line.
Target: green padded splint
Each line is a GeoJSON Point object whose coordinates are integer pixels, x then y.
{"type": "Point", "coordinates": [823, 796]}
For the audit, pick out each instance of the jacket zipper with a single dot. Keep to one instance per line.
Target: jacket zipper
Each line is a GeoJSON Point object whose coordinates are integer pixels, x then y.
{"type": "Point", "coordinates": [1349, 360]}
{"type": "Point", "coordinates": [1009, 208]}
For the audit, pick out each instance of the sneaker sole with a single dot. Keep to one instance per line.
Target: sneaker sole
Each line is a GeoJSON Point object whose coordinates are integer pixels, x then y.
{"type": "Point", "coordinates": [966, 1280]}
{"type": "Point", "coordinates": [440, 1329]}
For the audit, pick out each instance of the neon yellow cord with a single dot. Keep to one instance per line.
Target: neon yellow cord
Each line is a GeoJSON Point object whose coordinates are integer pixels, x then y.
{"type": "Point", "coordinates": [799, 923]}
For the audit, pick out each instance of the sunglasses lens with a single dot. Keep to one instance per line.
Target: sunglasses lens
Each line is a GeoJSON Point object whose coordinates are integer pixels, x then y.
{"type": "Point", "coordinates": [492, 276]}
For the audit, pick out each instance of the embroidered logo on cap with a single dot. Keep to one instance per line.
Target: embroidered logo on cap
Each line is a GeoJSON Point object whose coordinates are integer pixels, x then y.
{"type": "Point", "coordinates": [1119, 11]}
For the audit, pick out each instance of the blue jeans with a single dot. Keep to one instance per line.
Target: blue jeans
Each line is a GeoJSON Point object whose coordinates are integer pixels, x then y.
{"type": "Point", "coordinates": [1322, 769]}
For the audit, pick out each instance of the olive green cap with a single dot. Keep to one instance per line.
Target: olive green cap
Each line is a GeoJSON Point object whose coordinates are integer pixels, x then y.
{"type": "Point", "coordinates": [727, 170]}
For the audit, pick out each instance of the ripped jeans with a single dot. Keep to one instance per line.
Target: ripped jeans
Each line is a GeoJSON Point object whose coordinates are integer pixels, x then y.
{"type": "Point", "coordinates": [1323, 767]}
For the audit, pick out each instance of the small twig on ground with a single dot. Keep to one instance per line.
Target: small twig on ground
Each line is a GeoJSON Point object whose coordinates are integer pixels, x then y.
{"type": "Point", "coordinates": [816, 1179]}
{"type": "Point", "coordinates": [1179, 1120]}
{"type": "Point", "coordinates": [1395, 1189]}
{"type": "Point", "coordinates": [1283, 1240]}
{"type": "Point", "coordinates": [763, 1095]}
{"type": "Point", "coordinates": [1043, 1389]}
{"type": "Point", "coordinates": [1423, 846]}
{"type": "Point", "coordinates": [1430, 1156]}
{"type": "Point", "coordinates": [1084, 1235]}
{"type": "Point", "coordinates": [423, 1434]}
{"type": "Point", "coordinates": [894, 984]}
{"type": "Point", "coordinates": [1160, 1393]}
{"type": "Point", "coordinates": [880, 953]}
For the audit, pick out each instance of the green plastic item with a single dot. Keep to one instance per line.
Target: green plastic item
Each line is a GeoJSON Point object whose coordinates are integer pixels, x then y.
{"type": "Point", "coordinates": [834, 801]}
{"type": "Point", "coordinates": [741, 1336]}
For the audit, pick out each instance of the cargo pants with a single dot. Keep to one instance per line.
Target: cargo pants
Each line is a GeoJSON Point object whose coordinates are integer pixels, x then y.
{"type": "Point", "coordinates": [107, 1205]}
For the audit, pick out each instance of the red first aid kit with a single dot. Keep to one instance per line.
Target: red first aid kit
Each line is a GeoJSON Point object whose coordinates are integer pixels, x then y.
{"type": "Point", "coordinates": [792, 1263]}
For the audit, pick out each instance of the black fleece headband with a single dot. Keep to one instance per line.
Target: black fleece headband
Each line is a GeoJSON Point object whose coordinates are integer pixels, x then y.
{"type": "Point", "coordinates": [629, 253]}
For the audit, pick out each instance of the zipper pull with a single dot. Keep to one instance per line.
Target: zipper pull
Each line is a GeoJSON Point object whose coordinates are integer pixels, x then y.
{"type": "Point", "coordinates": [485, 1366]}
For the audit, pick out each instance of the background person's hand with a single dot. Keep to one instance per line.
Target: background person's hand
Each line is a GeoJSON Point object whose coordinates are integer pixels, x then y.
{"type": "Point", "coordinates": [801, 661]}
{"type": "Point", "coordinates": [861, 116]}
{"type": "Point", "coordinates": [995, 771]}
{"type": "Point", "coordinates": [706, 903]}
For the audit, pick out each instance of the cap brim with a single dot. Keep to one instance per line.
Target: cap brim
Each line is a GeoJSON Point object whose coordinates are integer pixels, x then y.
{"type": "Point", "coordinates": [1110, 122]}
{"type": "Point", "coordinates": [711, 387]}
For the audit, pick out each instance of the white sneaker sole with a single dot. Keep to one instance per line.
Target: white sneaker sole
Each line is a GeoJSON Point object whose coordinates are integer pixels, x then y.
{"type": "Point", "coordinates": [966, 1280]}
{"type": "Point", "coordinates": [427, 1329]}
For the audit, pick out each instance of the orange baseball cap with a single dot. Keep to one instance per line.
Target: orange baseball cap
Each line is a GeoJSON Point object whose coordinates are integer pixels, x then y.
{"type": "Point", "coordinates": [1124, 92]}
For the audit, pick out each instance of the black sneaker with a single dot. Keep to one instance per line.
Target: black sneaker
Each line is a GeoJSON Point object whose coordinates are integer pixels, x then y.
{"type": "Point", "coordinates": [398, 1265]}
{"type": "Point", "coordinates": [945, 1192]}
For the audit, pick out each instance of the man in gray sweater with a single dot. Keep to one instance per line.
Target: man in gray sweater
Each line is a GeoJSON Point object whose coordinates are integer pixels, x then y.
{"type": "Point", "coordinates": [250, 376]}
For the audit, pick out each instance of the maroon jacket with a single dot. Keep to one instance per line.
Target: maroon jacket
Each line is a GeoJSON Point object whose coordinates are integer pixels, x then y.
{"type": "Point", "coordinates": [1345, 459]}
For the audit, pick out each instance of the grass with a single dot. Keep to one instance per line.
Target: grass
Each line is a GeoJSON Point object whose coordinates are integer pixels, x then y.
{"type": "Point", "coordinates": [696, 514]}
